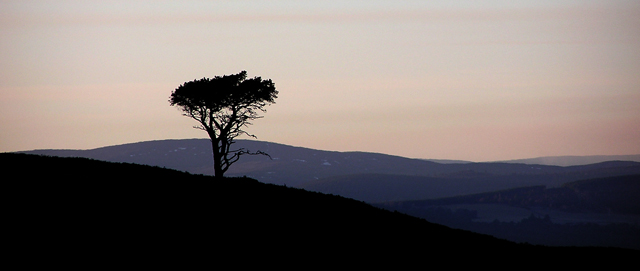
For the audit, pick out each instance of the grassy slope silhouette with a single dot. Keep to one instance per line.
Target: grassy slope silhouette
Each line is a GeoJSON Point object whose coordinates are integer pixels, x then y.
{"type": "Point", "coordinates": [71, 208]}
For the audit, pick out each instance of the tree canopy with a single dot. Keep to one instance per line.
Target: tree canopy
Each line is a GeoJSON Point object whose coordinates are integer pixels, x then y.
{"type": "Point", "coordinates": [223, 106]}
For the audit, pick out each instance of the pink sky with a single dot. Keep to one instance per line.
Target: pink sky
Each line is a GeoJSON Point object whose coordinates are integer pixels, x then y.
{"type": "Point", "coordinates": [471, 80]}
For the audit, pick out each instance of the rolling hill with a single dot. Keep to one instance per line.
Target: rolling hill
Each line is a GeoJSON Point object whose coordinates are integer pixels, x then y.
{"type": "Point", "coordinates": [566, 161]}
{"type": "Point", "coordinates": [596, 212]}
{"type": "Point", "coordinates": [342, 172]}
{"type": "Point", "coordinates": [69, 211]}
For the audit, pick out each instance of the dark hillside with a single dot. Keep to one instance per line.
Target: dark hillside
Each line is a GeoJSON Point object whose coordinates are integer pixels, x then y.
{"type": "Point", "coordinates": [70, 210]}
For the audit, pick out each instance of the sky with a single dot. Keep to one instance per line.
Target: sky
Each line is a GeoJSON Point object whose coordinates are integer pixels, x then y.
{"type": "Point", "coordinates": [468, 80]}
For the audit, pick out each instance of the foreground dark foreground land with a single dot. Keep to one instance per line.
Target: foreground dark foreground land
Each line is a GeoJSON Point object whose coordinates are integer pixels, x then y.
{"type": "Point", "coordinates": [73, 210]}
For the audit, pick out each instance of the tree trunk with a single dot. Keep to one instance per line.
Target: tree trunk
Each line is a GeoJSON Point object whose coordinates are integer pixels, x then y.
{"type": "Point", "coordinates": [217, 160]}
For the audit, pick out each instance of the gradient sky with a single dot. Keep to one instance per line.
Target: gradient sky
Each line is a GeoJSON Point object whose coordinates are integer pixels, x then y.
{"type": "Point", "coordinates": [471, 80]}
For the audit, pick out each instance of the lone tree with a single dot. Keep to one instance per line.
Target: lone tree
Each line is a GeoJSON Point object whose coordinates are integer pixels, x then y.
{"type": "Point", "coordinates": [223, 106]}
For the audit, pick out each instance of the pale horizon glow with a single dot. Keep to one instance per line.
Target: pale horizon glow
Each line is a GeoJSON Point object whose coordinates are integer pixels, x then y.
{"type": "Point", "coordinates": [463, 80]}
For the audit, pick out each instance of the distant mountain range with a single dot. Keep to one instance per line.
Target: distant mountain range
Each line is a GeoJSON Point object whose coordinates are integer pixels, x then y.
{"type": "Point", "coordinates": [563, 161]}
{"type": "Point", "coordinates": [574, 160]}
{"type": "Point", "coordinates": [370, 177]}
